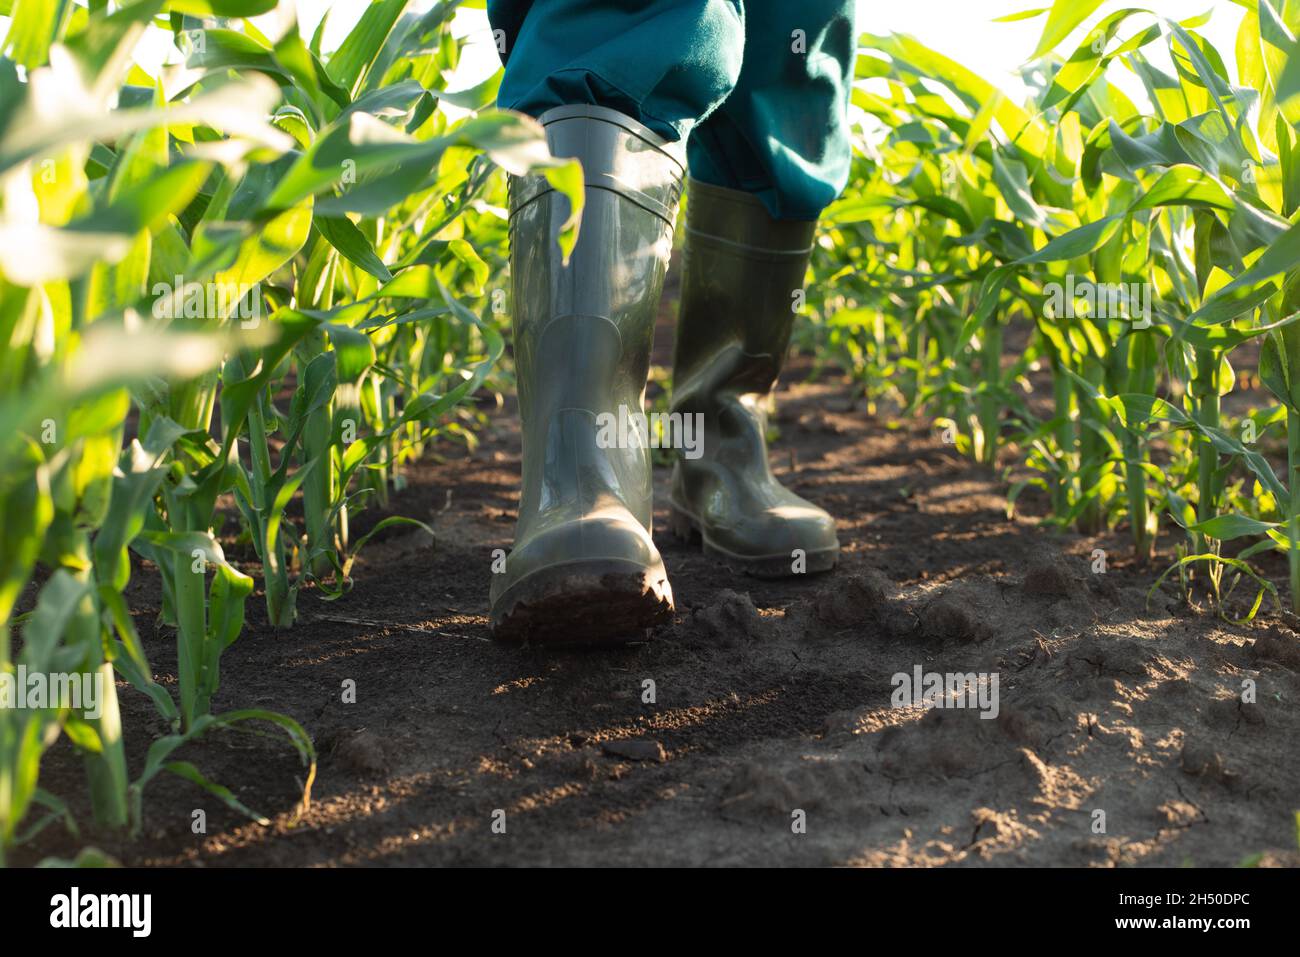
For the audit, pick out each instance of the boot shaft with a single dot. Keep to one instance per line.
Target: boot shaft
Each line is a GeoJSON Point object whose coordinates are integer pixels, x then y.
{"type": "Point", "coordinates": [743, 275]}
{"type": "Point", "coordinates": [595, 314]}
{"type": "Point", "coordinates": [583, 330]}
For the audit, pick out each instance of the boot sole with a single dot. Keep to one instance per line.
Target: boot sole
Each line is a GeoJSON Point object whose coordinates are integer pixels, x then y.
{"type": "Point", "coordinates": [687, 528]}
{"type": "Point", "coordinates": [587, 602]}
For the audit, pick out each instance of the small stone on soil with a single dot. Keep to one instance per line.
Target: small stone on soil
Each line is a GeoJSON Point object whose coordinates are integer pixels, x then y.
{"type": "Point", "coordinates": [635, 749]}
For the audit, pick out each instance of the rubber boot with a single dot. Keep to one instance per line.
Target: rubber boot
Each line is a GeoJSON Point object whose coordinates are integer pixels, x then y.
{"type": "Point", "coordinates": [584, 567]}
{"type": "Point", "coordinates": [742, 271]}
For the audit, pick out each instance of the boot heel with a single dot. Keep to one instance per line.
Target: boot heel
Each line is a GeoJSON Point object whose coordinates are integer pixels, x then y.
{"type": "Point", "coordinates": [682, 527]}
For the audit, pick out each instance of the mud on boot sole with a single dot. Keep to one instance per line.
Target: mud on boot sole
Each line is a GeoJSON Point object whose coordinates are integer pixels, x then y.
{"type": "Point", "coordinates": [588, 602]}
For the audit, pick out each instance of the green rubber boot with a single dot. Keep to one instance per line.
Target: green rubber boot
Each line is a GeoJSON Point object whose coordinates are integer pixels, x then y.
{"type": "Point", "coordinates": [584, 567]}
{"type": "Point", "coordinates": [742, 270]}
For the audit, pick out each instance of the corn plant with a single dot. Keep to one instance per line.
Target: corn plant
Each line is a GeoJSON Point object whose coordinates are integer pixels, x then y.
{"type": "Point", "coordinates": [972, 221]}
{"type": "Point", "coordinates": [176, 252]}
{"type": "Point", "coordinates": [75, 238]}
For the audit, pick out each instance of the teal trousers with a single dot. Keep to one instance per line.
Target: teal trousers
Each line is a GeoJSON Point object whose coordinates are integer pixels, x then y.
{"type": "Point", "coordinates": [759, 89]}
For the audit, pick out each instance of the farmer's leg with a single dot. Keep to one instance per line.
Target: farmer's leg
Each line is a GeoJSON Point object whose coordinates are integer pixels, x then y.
{"type": "Point", "coordinates": [783, 133]}
{"type": "Point", "coordinates": [617, 85]}
{"type": "Point", "coordinates": [763, 166]}
{"type": "Point", "coordinates": [666, 63]}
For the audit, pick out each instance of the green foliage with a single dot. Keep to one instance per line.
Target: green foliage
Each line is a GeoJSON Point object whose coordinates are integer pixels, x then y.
{"type": "Point", "coordinates": [949, 279]}
{"type": "Point", "coordinates": [260, 219]}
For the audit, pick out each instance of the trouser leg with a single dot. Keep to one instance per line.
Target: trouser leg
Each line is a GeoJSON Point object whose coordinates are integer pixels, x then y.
{"type": "Point", "coordinates": [783, 134]}
{"type": "Point", "coordinates": [665, 63]}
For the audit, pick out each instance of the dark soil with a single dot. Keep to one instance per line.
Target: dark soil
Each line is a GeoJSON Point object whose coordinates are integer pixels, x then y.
{"type": "Point", "coordinates": [758, 727]}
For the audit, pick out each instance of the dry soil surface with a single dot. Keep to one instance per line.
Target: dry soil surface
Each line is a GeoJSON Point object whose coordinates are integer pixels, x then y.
{"type": "Point", "coordinates": [762, 727]}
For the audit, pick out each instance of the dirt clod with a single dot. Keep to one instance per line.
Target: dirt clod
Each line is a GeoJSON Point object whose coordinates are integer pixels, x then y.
{"type": "Point", "coordinates": [961, 613]}
{"type": "Point", "coordinates": [362, 753]}
{"type": "Point", "coordinates": [1199, 759]}
{"type": "Point", "coordinates": [854, 601]}
{"type": "Point", "coordinates": [754, 789]}
{"type": "Point", "coordinates": [1048, 575]}
{"type": "Point", "coordinates": [840, 722]}
{"type": "Point", "coordinates": [1279, 646]}
{"type": "Point", "coordinates": [729, 619]}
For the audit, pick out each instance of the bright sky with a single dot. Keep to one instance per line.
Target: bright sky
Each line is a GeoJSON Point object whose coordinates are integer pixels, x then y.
{"type": "Point", "coordinates": [961, 29]}
{"type": "Point", "coordinates": [964, 29]}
